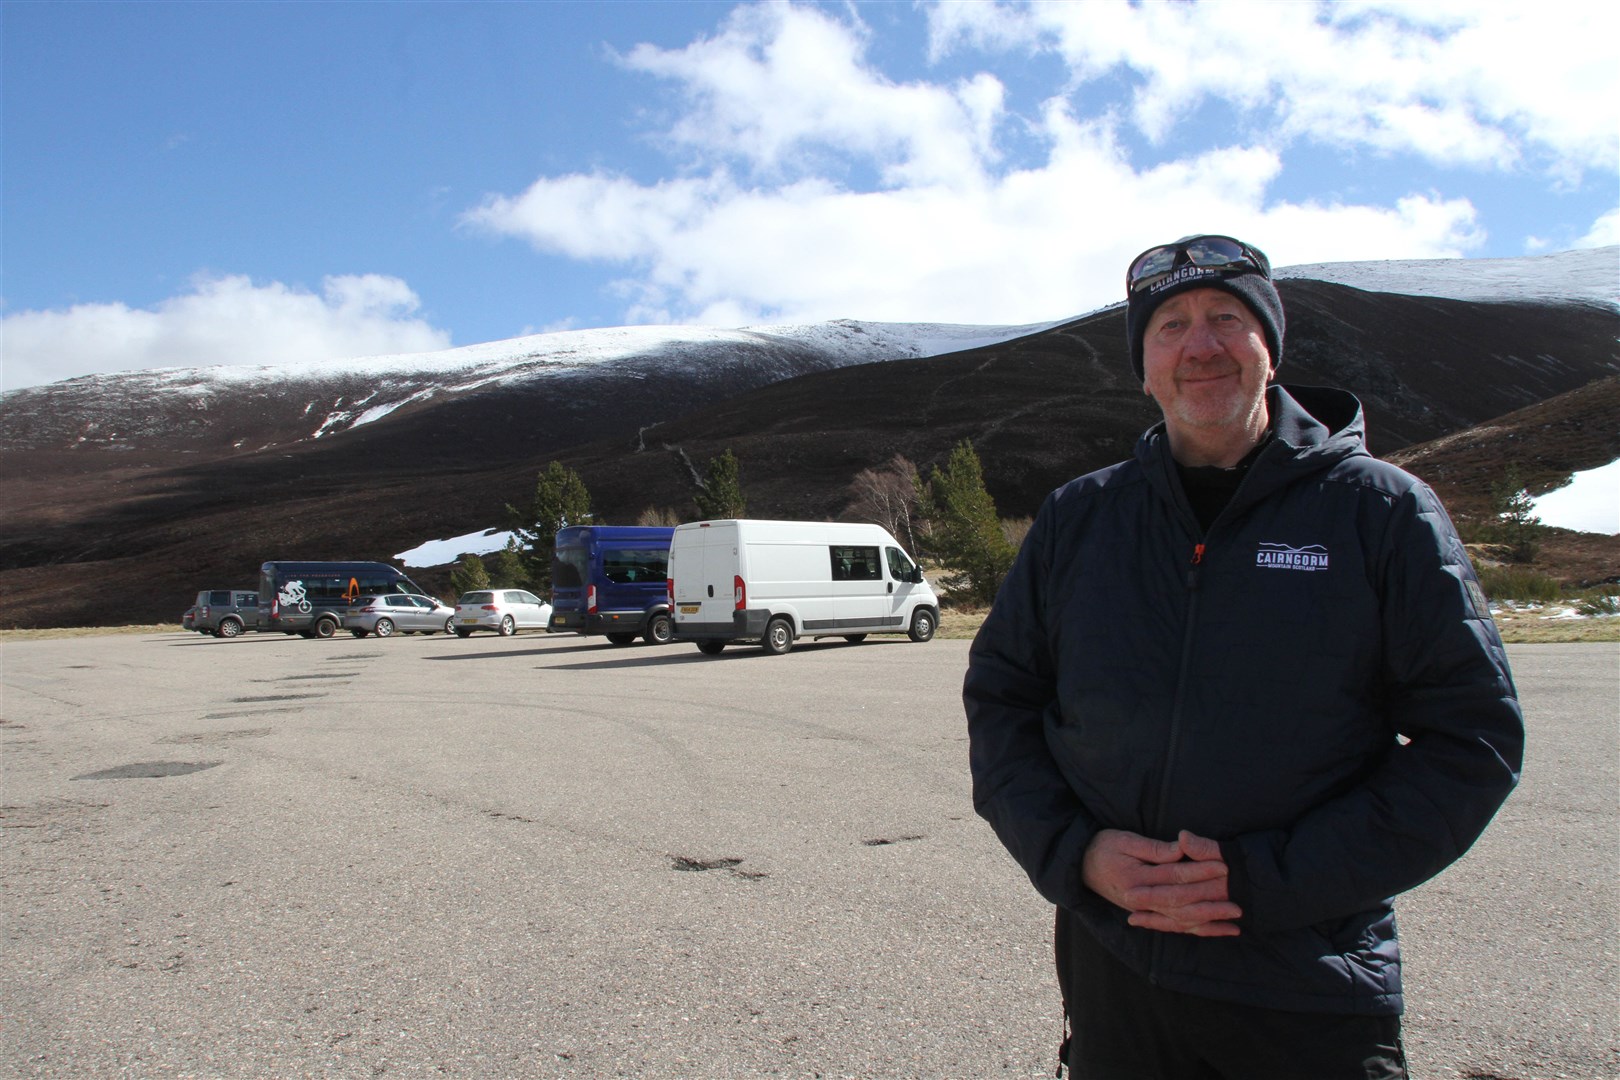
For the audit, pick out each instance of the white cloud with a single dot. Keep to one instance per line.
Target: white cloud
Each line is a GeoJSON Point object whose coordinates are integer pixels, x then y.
{"type": "Point", "coordinates": [1486, 85]}
{"type": "Point", "coordinates": [781, 86]}
{"type": "Point", "coordinates": [1605, 231]}
{"type": "Point", "coordinates": [222, 320]}
{"type": "Point", "coordinates": [760, 227]}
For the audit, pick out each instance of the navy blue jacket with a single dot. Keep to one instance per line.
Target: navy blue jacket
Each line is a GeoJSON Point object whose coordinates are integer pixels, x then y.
{"type": "Point", "coordinates": [1316, 683]}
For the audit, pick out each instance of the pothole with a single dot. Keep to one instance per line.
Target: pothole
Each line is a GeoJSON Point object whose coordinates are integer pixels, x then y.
{"type": "Point", "coordinates": [682, 862]}
{"type": "Point", "coordinates": [275, 697]}
{"type": "Point", "coordinates": [219, 736]}
{"type": "Point", "coordinates": [689, 864]}
{"type": "Point", "coordinates": [149, 770]}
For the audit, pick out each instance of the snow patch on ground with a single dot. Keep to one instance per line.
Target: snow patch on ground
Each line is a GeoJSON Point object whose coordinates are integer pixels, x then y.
{"type": "Point", "coordinates": [440, 552]}
{"type": "Point", "coordinates": [1590, 502]}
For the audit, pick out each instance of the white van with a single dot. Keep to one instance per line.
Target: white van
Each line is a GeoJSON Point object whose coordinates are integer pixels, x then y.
{"type": "Point", "coordinates": [774, 581]}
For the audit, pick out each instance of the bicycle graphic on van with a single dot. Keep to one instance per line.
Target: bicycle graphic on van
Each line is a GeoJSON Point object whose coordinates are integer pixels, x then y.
{"type": "Point", "coordinates": [293, 595]}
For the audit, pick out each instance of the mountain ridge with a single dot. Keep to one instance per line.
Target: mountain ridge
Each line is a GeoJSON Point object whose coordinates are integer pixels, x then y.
{"type": "Point", "coordinates": [191, 507]}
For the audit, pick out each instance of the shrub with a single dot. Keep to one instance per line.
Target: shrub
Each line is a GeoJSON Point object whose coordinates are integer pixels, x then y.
{"type": "Point", "coordinates": [1602, 601]}
{"type": "Point", "coordinates": [1518, 583]}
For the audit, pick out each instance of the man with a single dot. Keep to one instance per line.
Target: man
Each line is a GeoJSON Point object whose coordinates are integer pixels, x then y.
{"type": "Point", "coordinates": [1235, 694]}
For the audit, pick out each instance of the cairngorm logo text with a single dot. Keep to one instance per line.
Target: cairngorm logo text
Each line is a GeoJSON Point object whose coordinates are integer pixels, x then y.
{"type": "Point", "coordinates": [1309, 558]}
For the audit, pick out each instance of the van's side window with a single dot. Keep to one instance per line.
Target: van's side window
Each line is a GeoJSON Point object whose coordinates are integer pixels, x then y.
{"type": "Point", "coordinates": [852, 563]}
{"type": "Point", "coordinates": [900, 566]}
{"type": "Point", "coordinates": [629, 566]}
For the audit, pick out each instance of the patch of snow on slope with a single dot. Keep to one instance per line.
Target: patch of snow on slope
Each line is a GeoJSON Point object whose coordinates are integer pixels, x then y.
{"type": "Point", "coordinates": [1591, 276]}
{"type": "Point", "coordinates": [1590, 502]}
{"type": "Point", "coordinates": [440, 552]}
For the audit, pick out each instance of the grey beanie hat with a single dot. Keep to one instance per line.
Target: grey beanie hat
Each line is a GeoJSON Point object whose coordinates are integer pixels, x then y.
{"type": "Point", "coordinates": [1248, 285]}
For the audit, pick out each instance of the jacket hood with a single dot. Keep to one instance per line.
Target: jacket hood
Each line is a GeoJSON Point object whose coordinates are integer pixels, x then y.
{"type": "Point", "coordinates": [1313, 428]}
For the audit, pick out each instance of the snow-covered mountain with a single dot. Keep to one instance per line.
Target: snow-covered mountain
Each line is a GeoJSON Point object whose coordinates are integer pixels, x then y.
{"type": "Point", "coordinates": [167, 407]}
{"type": "Point", "coordinates": [1589, 276]}
{"type": "Point", "coordinates": [246, 408]}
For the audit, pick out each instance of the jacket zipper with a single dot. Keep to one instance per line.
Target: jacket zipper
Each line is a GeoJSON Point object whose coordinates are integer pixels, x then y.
{"type": "Point", "coordinates": [1173, 743]}
{"type": "Point", "coordinates": [1194, 566]}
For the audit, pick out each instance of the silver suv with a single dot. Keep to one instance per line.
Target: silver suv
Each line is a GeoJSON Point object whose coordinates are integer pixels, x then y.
{"type": "Point", "coordinates": [225, 613]}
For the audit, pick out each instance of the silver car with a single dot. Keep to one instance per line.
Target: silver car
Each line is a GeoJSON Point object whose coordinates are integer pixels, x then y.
{"type": "Point", "coordinates": [405, 613]}
{"type": "Point", "coordinates": [505, 611]}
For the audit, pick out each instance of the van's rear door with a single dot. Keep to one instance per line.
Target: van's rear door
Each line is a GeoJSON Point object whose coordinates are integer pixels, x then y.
{"type": "Point", "coordinates": [703, 566]}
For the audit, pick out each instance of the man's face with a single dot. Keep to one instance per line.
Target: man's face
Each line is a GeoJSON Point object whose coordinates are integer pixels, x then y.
{"type": "Point", "coordinates": [1205, 361]}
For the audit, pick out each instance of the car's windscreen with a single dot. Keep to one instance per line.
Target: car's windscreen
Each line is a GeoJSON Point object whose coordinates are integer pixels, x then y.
{"type": "Point", "coordinates": [476, 598]}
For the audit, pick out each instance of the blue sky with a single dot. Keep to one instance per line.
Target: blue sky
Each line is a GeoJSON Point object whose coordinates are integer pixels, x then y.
{"type": "Point", "coordinates": [202, 183]}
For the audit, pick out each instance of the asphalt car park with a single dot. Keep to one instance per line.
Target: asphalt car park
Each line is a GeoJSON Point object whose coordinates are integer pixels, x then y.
{"type": "Point", "coordinates": [545, 856]}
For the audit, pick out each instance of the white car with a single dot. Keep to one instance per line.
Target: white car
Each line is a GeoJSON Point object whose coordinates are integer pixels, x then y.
{"type": "Point", "coordinates": [505, 611]}
{"type": "Point", "coordinates": [405, 613]}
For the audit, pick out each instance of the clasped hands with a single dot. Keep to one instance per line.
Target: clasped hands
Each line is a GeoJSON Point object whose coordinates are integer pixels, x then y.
{"type": "Point", "coordinates": [1176, 886]}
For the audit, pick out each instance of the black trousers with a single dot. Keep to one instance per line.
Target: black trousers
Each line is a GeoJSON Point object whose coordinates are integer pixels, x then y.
{"type": "Point", "coordinates": [1125, 1028]}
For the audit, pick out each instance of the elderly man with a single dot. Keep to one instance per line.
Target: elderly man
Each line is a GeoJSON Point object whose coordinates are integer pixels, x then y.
{"type": "Point", "coordinates": [1236, 694]}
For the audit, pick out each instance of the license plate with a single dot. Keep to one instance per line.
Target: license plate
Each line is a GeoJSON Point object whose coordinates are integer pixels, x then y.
{"type": "Point", "coordinates": [468, 622]}
{"type": "Point", "coordinates": [691, 609]}
{"type": "Point", "coordinates": [560, 620]}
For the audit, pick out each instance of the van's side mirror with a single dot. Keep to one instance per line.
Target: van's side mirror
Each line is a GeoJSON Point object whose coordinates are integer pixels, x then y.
{"type": "Point", "coordinates": [915, 577]}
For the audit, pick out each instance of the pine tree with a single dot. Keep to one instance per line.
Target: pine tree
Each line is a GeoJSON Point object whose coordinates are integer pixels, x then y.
{"type": "Point", "coordinates": [721, 494]}
{"type": "Point", "coordinates": [1515, 523]}
{"type": "Point", "coordinates": [967, 536]}
{"type": "Point", "coordinates": [508, 570]}
{"type": "Point", "coordinates": [560, 500]}
{"type": "Point", "coordinates": [469, 575]}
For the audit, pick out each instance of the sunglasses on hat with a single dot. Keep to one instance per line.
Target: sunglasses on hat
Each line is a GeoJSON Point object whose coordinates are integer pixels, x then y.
{"type": "Point", "coordinates": [1211, 253]}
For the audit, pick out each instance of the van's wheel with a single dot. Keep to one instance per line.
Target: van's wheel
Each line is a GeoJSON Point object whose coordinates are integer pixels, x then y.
{"type": "Point", "coordinates": [710, 647]}
{"type": "Point", "coordinates": [621, 638]}
{"type": "Point", "coordinates": [384, 627]}
{"type": "Point", "coordinates": [660, 630]}
{"type": "Point", "coordinates": [778, 638]}
{"type": "Point", "coordinates": [508, 626]}
{"type": "Point", "coordinates": [357, 632]}
{"type": "Point", "coordinates": [229, 628]}
{"type": "Point", "coordinates": [923, 625]}
{"type": "Point", "coordinates": [325, 627]}
{"type": "Point", "coordinates": [854, 639]}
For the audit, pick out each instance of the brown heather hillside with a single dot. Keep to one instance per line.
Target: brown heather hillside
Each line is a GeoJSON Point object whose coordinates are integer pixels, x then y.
{"type": "Point", "coordinates": [1544, 443]}
{"type": "Point", "coordinates": [107, 537]}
